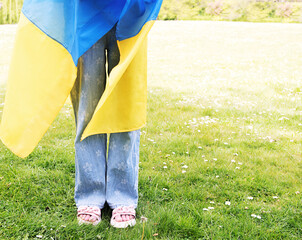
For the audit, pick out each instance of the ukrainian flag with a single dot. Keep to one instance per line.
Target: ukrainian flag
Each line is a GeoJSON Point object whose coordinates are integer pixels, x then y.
{"type": "Point", "coordinates": [51, 36]}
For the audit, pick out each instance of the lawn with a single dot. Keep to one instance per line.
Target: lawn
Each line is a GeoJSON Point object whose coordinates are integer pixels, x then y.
{"type": "Point", "coordinates": [221, 155]}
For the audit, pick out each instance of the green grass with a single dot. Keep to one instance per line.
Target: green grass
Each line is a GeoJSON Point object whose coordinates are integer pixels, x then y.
{"type": "Point", "coordinates": [10, 11]}
{"type": "Point", "coordinates": [247, 79]}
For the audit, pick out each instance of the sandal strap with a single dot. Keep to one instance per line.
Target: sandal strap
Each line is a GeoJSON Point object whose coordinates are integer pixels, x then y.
{"type": "Point", "coordinates": [92, 211]}
{"type": "Point", "coordinates": [124, 210]}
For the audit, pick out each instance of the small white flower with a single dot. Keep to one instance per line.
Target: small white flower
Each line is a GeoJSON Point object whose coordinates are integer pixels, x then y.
{"type": "Point", "coordinates": [183, 171]}
{"type": "Point", "coordinates": [200, 147]}
{"type": "Point", "coordinates": [185, 166]}
{"type": "Point", "coordinates": [39, 236]}
{"type": "Point", "coordinates": [212, 202]}
{"type": "Point", "coordinates": [283, 118]}
{"type": "Point", "coordinates": [217, 176]}
{"type": "Point", "coordinates": [255, 216]}
{"type": "Point", "coordinates": [297, 192]}
{"type": "Point", "coordinates": [165, 167]}
{"type": "Point", "coordinates": [235, 154]}
{"type": "Point", "coordinates": [164, 163]}
{"type": "Point", "coordinates": [233, 160]}
{"type": "Point", "coordinates": [215, 159]}
{"type": "Point", "coordinates": [225, 143]}
{"type": "Point", "coordinates": [227, 203]}
{"type": "Point", "coordinates": [250, 198]}
{"type": "Point", "coordinates": [206, 160]}
{"type": "Point", "coordinates": [211, 208]}
{"type": "Point", "coordinates": [237, 167]}
{"type": "Point", "coordinates": [144, 219]}
{"type": "Point", "coordinates": [275, 197]}
{"type": "Point", "coordinates": [240, 163]}
{"type": "Point", "coordinates": [165, 189]}
{"type": "Point", "coordinates": [205, 209]}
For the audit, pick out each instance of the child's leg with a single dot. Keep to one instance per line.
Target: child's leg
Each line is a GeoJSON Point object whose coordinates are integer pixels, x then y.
{"type": "Point", "coordinates": [90, 154]}
{"type": "Point", "coordinates": [122, 169]}
{"type": "Point", "coordinates": [123, 155]}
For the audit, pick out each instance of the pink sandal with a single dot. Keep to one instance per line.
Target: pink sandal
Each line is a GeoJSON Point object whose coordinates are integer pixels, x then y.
{"type": "Point", "coordinates": [92, 211]}
{"type": "Point", "coordinates": [123, 211]}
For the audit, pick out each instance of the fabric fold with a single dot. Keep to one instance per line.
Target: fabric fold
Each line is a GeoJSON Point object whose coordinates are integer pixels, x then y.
{"type": "Point", "coordinates": [41, 76]}
{"type": "Point", "coordinates": [51, 36]}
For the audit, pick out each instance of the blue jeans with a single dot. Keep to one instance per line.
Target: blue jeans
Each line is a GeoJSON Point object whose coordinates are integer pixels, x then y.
{"type": "Point", "coordinates": [102, 175]}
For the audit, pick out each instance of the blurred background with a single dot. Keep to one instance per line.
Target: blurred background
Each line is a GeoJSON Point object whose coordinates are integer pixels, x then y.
{"type": "Point", "coordinates": [226, 10]}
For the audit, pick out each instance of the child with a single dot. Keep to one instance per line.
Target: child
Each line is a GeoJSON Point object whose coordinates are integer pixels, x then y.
{"type": "Point", "coordinates": [98, 180]}
{"type": "Point", "coordinates": [96, 52]}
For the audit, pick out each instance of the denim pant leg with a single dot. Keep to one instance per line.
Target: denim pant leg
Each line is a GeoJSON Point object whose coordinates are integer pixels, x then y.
{"type": "Point", "coordinates": [91, 185]}
{"type": "Point", "coordinates": [123, 154]}
{"type": "Point", "coordinates": [122, 169]}
{"type": "Point", "coordinates": [90, 154]}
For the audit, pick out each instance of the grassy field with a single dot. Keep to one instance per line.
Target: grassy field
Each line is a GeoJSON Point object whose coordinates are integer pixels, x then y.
{"type": "Point", "coordinates": [10, 11]}
{"type": "Point", "coordinates": [232, 10]}
{"type": "Point", "coordinates": [221, 154]}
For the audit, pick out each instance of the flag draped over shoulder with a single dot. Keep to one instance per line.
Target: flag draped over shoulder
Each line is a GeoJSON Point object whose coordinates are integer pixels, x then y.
{"type": "Point", "coordinates": [51, 36]}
